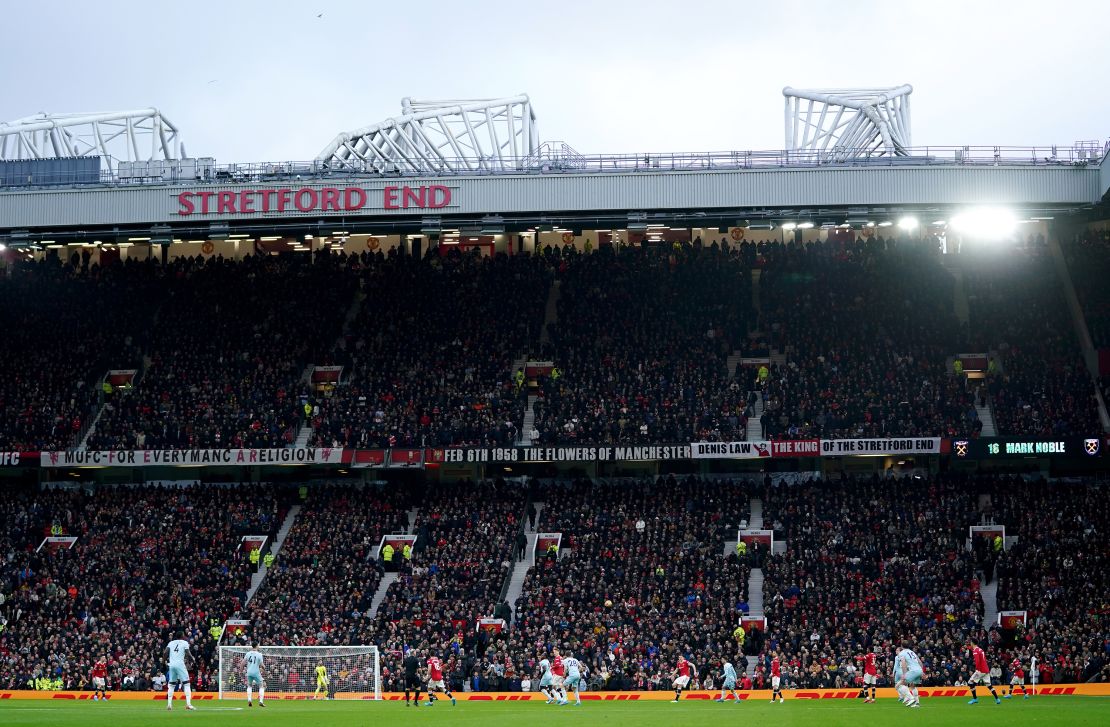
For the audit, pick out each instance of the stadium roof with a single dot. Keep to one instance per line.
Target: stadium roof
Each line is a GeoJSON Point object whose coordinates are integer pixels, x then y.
{"type": "Point", "coordinates": [138, 135]}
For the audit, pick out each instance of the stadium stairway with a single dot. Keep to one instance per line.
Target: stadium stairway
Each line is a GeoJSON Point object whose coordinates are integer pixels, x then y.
{"type": "Point", "coordinates": [756, 273]}
{"type": "Point", "coordinates": [412, 519]}
{"type": "Point", "coordinates": [733, 362]}
{"type": "Point", "coordinates": [989, 593]}
{"type": "Point", "coordinates": [551, 311]}
{"type": "Point", "coordinates": [754, 433]}
{"type": "Point", "coordinates": [960, 305]}
{"type": "Point", "coordinates": [380, 594]}
{"type": "Point", "coordinates": [986, 416]}
{"type": "Point", "coordinates": [283, 531]}
{"type": "Point", "coordinates": [755, 578]}
{"type": "Point", "coordinates": [515, 585]}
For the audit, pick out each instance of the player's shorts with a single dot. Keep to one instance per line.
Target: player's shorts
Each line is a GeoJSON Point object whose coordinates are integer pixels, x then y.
{"type": "Point", "coordinates": [869, 679]}
{"type": "Point", "coordinates": [412, 681]}
{"type": "Point", "coordinates": [321, 683]}
{"type": "Point", "coordinates": [177, 674]}
{"type": "Point", "coordinates": [254, 678]}
{"type": "Point", "coordinates": [1017, 681]}
{"type": "Point", "coordinates": [556, 681]}
{"type": "Point", "coordinates": [545, 680]}
{"type": "Point", "coordinates": [682, 681]}
{"type": "Point", "coordinates": [775, 681]}
{"type": "Point", "coordinates": [913, 677]}
{"type": "Point", "coordinates": [436, 685]}
{"type": "Point", "coordinates": [980, 678]}
{"type": "Point", "coordinates": [98, 682]}
{"type": "Point", "coordinates": [574, 681]}
{"type": "Point", "coordinates": [729, 685]}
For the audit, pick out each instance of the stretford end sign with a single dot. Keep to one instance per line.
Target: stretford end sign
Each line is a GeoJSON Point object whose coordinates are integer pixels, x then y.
{"type": "Point", "coordinates": [278, 200]}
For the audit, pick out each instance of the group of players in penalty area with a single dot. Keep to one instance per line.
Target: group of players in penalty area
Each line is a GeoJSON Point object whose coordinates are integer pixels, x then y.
{"type": "Point", "coordinates": [562, 674]}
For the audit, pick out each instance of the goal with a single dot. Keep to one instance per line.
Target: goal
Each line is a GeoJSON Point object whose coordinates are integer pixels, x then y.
{"type": "Point", "coordinates": [354, 672]}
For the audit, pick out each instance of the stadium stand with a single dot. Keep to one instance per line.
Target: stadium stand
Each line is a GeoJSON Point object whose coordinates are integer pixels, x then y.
{"type": "Point", "coordinates": [865, 329]}
{"type": "Point", "coordinates": [320, 588]}
{"type": "Point", "coordinates": [1057, 572]}
{"type": "Point", "coordinates": [147, 561]}
{"type": "Point", "coordinates": [432, 350]}
{"type": "Point", "coordinates": [1042, 386]}
{"type": "Point", "coordinates": [230, 343]}
{"type": "Point", "coordinates": [641, 345]}
{"type": "Point", "coordinates": [640, 578]}
{"type": "Point", "coordinates": [866, 563]}
{"type": "Point", "coordinates": [465, 533]}
{"type": "Point", "coordinates": [63, 329]}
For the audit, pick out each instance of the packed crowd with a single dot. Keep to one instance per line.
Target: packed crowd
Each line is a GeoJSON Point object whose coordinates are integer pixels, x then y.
{"type": "Point", "coordinates": [432, 352]}
{"type": "Point", "coordinates": [319, 589]}
{"type": "Point", "coordinates": [641, 346]}
{"type": "Point", "coordinates": [65, 326]}
{"type": "Point", "coordinates": [1042, 386]}
{"type": "Point", "coordinates": [226, 354]}
{"type": "Point", "coordinates": [148, 562]}
{"type": "Point", "coordinates": [1057, 572]}
{"type": "Point", "coordinates": [869, 561]}
{"type": "Point", "coordinates": [866, 328]}
{"type": "Point", "coordinates": [465, 536]}
{"type": "Point", "coordinates": [641, 578]}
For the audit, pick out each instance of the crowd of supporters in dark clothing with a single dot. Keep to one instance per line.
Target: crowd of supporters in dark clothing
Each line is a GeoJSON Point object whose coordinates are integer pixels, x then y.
{"type": "Point", "coordinates": [1041, 386]}
{"type": "Point", "coordinates": [642, 343]}
{"type": "Point", "coordinates": [863, 333]}
{"type": "Point", "coordinates": [645, 572]}
{"type": "Point", "coordinates": [149, 563]}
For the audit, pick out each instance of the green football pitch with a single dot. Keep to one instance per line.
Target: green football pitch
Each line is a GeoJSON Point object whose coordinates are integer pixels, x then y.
{"type": "Point", "coordinates": [941, 711]}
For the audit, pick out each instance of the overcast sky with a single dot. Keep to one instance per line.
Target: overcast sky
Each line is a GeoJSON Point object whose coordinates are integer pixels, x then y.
{"type": "Point", "coordinates": [252, 81]}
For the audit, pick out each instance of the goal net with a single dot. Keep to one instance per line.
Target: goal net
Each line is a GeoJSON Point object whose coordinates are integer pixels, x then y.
{"type": "Point", "coordinates": [353, 672]}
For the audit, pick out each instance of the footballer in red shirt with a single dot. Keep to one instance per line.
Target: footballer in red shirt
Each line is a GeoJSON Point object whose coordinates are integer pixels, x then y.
{"type": "Point", "coordinates": [435, 681]}
{"type": "Point", "coordinates": [981, 675]}
{"type": "Point", "coordinates": [870, 676]}
{"type": "Point", "coordinates": [776, 679]}
{"type": "Point", "coordinates": [1017, 678]}
{"type": "Point", "coordinates": [681, 677]}
{"type": "Point", "coordinates": [100, 678]}
{"type": "Point", "coordinates": [558, 675]}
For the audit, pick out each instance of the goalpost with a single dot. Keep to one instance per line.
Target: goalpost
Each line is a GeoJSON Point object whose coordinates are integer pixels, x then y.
{"type": "Point", "coordinates": [354, 672]}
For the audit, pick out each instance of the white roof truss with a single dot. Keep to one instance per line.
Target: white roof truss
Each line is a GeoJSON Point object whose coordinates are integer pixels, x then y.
{"type": "Point", "coordinates": [140, 135]}
{"type": "Point", "coordinates": [848, 123]}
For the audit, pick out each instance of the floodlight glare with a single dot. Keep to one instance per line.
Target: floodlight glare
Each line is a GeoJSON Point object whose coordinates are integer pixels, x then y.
{"type": "Point", "coordinates": [789, 225]}
{"type": "Point", "coordinates": [908, 223]}
{"type": "Point", "coordinates": [986, 222]}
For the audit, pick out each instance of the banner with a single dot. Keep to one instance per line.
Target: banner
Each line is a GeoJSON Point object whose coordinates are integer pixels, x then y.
{"type": "Point", "coordinates": [1098, 689]}
{"type": "Point", "coordinates": [498, 455]}
{"type": "Point", "coordinates": [252, 542]}
{"type": "Point", "coordinates": [1011, 619]}
{"type": "Point", "coordinates": [907, 445]}
{"type": "Point", "coordinates": [753, 536]}
{"type": "Point", "coordinates": [236, 626]}
{"type": "Point", "coordinates": [57, 542]}
{"type": "Point", "coordinates": [492, 625]}
{"type": "Point", "coordinates": [19, 459]}
{"type": "Point", "coordinates": [1013, 447]}
{"type": "Point", "coordinates": [730, 450]}
{"type": "Point", "coordinates": [178, 457]}
{"type": "Point", "coordinates": [796, 448]}
{"type": "Point", "coordinates": [543, 542]}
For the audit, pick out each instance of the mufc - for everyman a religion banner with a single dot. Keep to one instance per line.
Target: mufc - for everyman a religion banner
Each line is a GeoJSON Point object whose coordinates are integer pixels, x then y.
{"type": "Point", "coordinates": [178, 457]}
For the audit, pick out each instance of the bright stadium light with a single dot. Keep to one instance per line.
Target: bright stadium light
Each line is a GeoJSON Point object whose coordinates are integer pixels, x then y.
{"type": "Point", "coordinates": [986, 222]}
{"type": "Point", "coordinates": [789, 225]}
{"type": "Point", "coordinates": [805, 225]}
{"type": "Point", "coordinates": [908, 223]}
{"type": "Point", "coordinates": [885, 223]}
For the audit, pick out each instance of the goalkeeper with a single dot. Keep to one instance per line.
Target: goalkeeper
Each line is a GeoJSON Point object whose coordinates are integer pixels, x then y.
{"type": "Point", "coordinates": [321, 682]}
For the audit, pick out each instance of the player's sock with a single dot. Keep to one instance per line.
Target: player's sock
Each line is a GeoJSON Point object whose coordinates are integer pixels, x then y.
{"type": "Point", "coordinates": [973, 692]}
{"type": "Point", "coordinates": [993, 693]}
{"type": "Point", "coordinates": [169, 694]}
{"type": "Point", "coordinates": [188, 694]}
{"type": "Point", "coordinates": [872, 694]}
{"type": "Point", "coordinates": [677, 693]}
{"type": "Point", "coordinates": [903, 692]}
{"type": "Point", "coordinates": [261, 693]}
{"type": "Point", "coordinates": [916, 696]}
{"type": "Point", "coordinates": [249, 690]}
